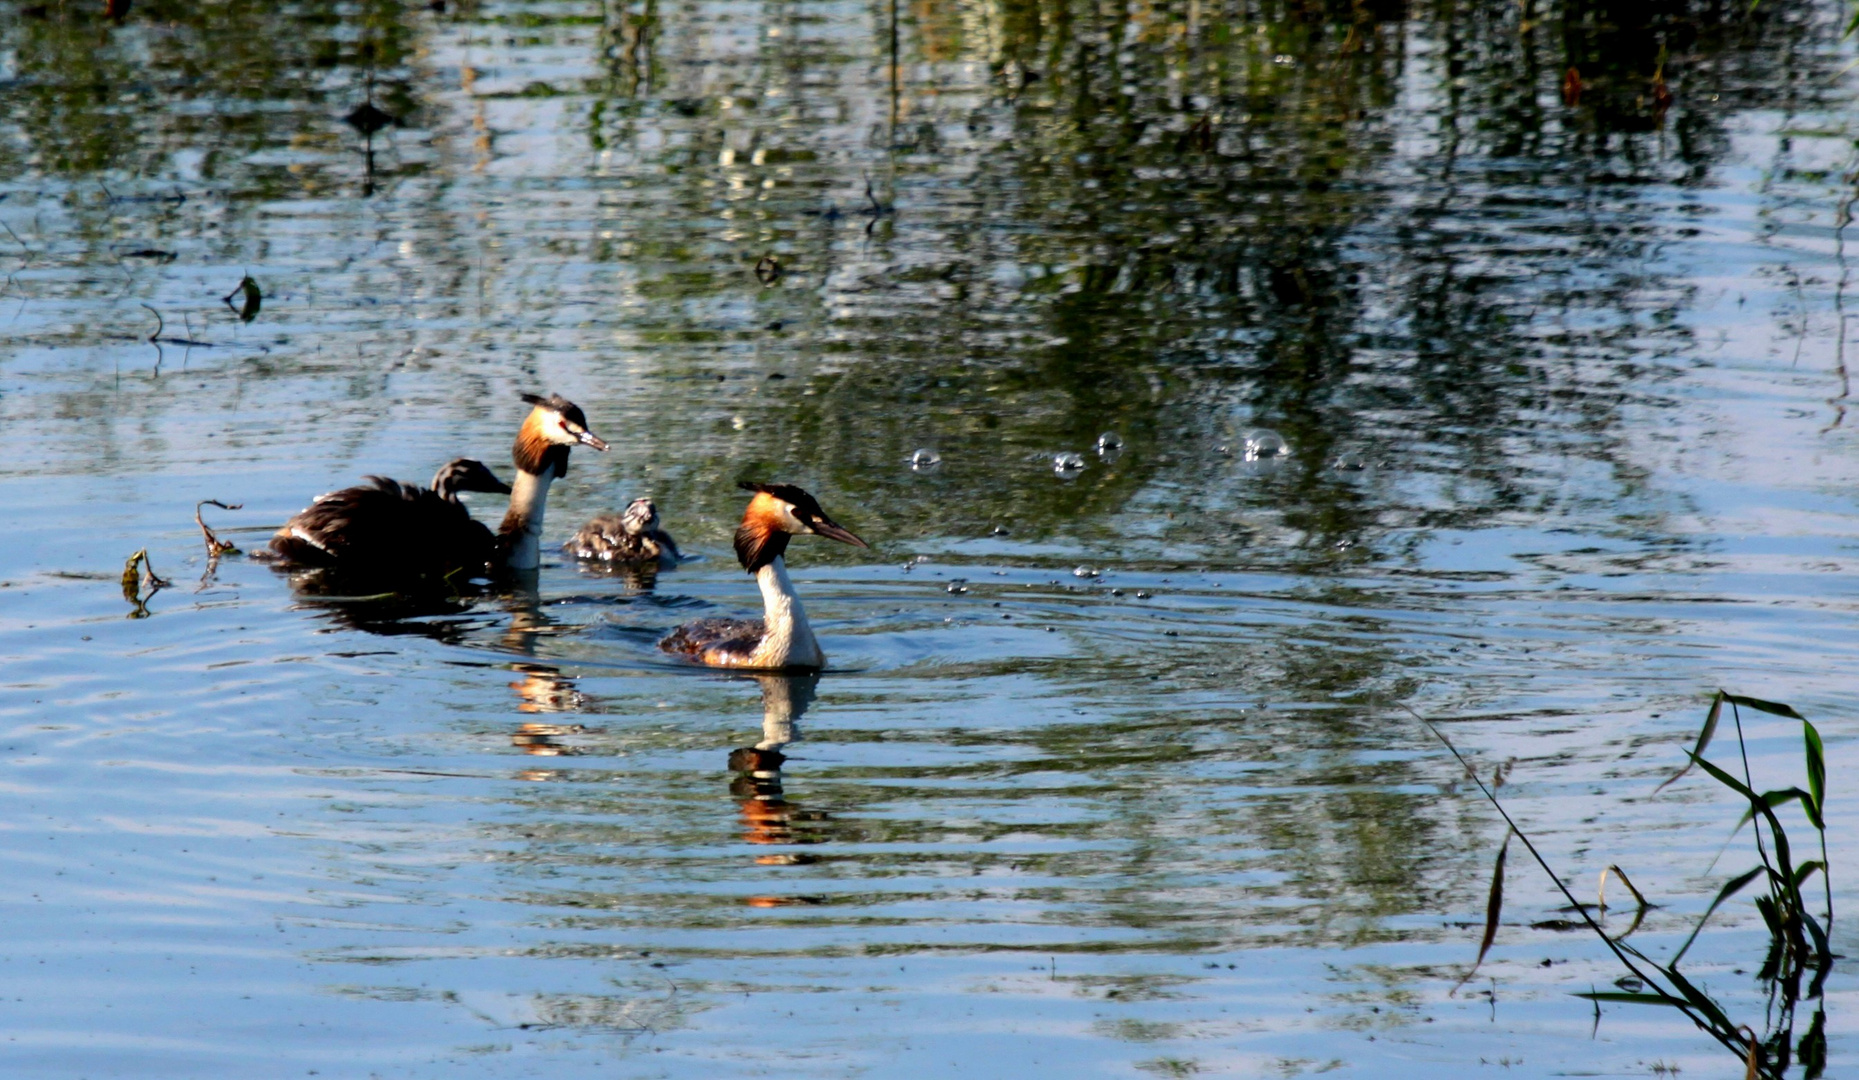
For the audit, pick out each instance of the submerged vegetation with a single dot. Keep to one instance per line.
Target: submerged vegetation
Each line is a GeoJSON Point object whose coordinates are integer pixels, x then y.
{"type": "Point", "coordinates": [1798, 947]}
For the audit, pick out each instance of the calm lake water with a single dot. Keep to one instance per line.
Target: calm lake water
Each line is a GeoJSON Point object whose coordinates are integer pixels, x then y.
{"type": "Point", "coordinates": [1112, 773]}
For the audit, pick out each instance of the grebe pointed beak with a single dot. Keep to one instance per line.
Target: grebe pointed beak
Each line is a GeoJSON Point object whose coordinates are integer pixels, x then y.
{"type": "Point", "coordinates": [830, 530]}
{"type": "Point", "coordinates": [588, 438]}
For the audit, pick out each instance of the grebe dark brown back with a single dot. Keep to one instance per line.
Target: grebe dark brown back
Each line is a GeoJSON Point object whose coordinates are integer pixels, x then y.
{"type": "Point", "coordinates": [392, 529]}
{"type": "Point", "coordinates": [782, 637]}
{"type": "Point", "coordinates": [630, 538]}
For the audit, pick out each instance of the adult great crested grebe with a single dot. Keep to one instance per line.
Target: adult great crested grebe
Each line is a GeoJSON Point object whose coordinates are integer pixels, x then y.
{"type": "Point", "coordinates": [782, 637]}
{"type": "Point", "coordinates": [630, 538]}
{"type": "Point", "coordinates": [388, 530]}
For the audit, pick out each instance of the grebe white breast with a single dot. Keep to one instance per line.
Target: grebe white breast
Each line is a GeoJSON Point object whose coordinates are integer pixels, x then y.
{"type": "Point", "coordinates": [632, 537]}
{"type": "Point", "coordinates": [782, 637]}
{"type": "Point", "coordinates": [394, 529]}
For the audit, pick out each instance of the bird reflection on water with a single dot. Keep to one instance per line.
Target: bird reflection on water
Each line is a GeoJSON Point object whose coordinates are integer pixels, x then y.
{"type": "Point", "coordinates": [544, 689]}
{"type": "Point", "coordinates": [768, 818]}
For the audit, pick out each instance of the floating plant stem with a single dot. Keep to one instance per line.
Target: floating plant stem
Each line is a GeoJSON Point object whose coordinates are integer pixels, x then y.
{"type": "Point", "coordinates": [215, 546]}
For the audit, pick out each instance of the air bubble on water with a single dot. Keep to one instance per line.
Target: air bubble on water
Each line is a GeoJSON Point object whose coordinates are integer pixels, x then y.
{"type": "Point", "coordinates": [1264, 444]}
{"type": "Point", "coordinates": [923, 558]}
{"type": "Point", "coordinates": [999, 530]}
{"type": "Point", "coordinates": [1350, 464]}
{"type": "Point", "coordinates": [1109, 440]}
{"type": "Point", "coordinates": [1141, 595]}
{"type": "Point", "coordinates": [958, 585]}
{"type": "Point", "coordinates": [924, 459]}
{"type": "Point", "coordinates": [1085, 571]}
{"type": "Point", "coordinates": [1068, 464]}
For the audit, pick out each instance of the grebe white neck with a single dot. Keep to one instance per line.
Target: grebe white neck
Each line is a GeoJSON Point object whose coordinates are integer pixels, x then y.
{"type": "Point", "coordinates": [788, 639]}
{"type": "Point", "coordinates": [521, 530]}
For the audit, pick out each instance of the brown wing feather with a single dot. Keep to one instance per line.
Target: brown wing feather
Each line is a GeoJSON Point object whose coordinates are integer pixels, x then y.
{"type": "Point", "coordinates": [724, 637]}
{"type": "Point", "coordinates": [386, 529]}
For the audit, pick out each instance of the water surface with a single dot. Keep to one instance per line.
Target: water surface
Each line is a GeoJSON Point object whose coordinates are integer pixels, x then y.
{"type": "Point", "coordinates": [1112, 772]}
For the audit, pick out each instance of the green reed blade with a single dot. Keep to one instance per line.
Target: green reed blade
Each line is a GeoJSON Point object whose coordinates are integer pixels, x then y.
{"type": "Point", "coordinates": [1494, 907]}
{"type": "Point", "coordinates": [1816, 773]}
{"type": "Point", "coordinates": [1633, 999]}
{"type": "Point", "coordinates": [1774, 708]}
{"type": "Point", "coordinates": [1704, 737]}
{"type": "Point", "coordinates": [1730, 888]}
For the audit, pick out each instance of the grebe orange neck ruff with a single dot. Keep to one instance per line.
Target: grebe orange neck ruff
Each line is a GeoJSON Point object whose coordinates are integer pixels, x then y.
{"type": "Point", "coordinates": [553, 426]}
{"type": "Point", "coordinates": [782, 638]}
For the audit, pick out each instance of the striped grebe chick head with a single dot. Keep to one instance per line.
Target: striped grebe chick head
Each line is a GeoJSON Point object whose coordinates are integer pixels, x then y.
{"type": "Point", "coordinates": [553, 425]}
{"type": "Point", "coordinates": [464, 474]}
{"type": "Point", "coordinates": [640, 516]}
{"type": "Point", "coordinates": [776, 512]}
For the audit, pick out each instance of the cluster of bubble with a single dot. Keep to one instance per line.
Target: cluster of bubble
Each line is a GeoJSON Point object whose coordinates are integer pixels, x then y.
{"type": "Point", "coordinates": [1069, 463]}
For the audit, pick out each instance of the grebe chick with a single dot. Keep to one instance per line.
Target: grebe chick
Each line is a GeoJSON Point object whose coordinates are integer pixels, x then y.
{"type": "Point", "coordinates": [391, 529]}
{"type": "Point", "coordinates": [628, 538]}
{"type": "Point", "coordinates": [553, 426]}
{"type": "Point", "coordinates": [782, 637]}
